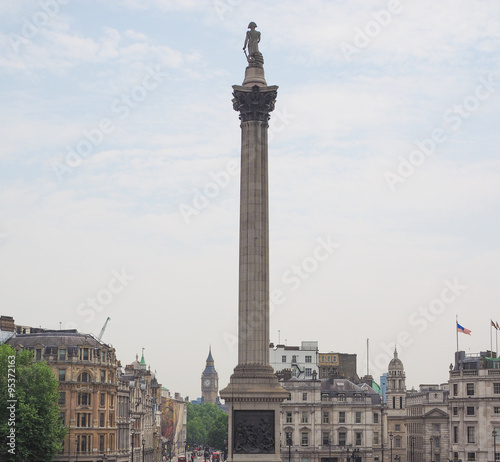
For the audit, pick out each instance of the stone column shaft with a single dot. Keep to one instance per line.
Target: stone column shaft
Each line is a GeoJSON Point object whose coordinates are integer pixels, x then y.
{"type": "Point", "coordinates": [253, 319]}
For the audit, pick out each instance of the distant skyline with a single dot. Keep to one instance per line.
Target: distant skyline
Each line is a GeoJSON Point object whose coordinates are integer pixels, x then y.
{"type": "Point", "coordinates": [119, 174]}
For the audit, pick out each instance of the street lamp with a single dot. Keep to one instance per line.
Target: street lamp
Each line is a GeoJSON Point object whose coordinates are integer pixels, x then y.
{"type": "Point", "coordinates": [396, 457]}
{"type": "Point", "coordinates": [391, 436]}
{"type": "Point", "coordinates": [143, 444]}
{"type": "Point", "coordinates": [289, 443]}
{"type": "Point", "coordinates": [494, 434]}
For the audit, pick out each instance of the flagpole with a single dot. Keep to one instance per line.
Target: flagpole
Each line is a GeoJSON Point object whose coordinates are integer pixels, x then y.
{"type": "Point", "coordinates": [491, 338]}
{"type": "Point", "coordinates": [456, 329]}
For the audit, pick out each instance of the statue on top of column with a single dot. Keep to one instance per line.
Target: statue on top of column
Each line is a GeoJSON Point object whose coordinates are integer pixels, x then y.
{"type": "Point", "coordinates": [252, 39]}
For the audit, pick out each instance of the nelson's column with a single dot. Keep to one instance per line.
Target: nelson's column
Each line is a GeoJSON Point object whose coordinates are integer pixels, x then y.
{"type": "Point", "coordinates": [254, 395]}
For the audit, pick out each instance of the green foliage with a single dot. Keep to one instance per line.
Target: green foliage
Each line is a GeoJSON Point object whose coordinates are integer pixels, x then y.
{"type": "Point", "coordinates": [38, 429]}
{"type": "Point", "coordinates": [206, 425]}
{"type": "Point", "coordinates": [217, 433]}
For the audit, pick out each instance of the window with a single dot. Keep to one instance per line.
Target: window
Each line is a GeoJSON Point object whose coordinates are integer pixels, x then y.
{"type": "Point", "coordinates": [342, 438]}
{"type": "Point", "coordinates": [455, 389]}
{"type": "Point", "coordinates": [471, 456]}
{"type": "Point", "coordinates": [455, 435]}
{"type": "Point", "coordinates": [470, 410]}
{"type": "Point", "coordinates": [294, 358]}
{"type": "Point", "coordinates": [62, 375]}
{"type": "Point", "coordinates": [305, 417]}
{"type": "Point", "coordinates": [111, 419]}
{"type": "Point", "coordinates": [358, 438]}
{"type": "Point", "coordinates": [496, 409]}
{"type": "Point", "coordinates": [436, 427]}
{"type": "Point", "coordinates": [289, 398]}
{"type": "Point", "coordinates": [103, 399]}
{"type": "Point", "coordinates": [304, 396]}
{"type": "Point", "coordinates": [308, 359]}
{"type": "Point", "coordinates": [470, 389]}
{"type": "Point", "coordinates": [326, 417]}
{"type": "Point", "coordinates": [289, 417]}
{"type": "Point", "coordinates": [397, 427]}
{"type": "Point", "coordinates": [305, 439]}
{"type": "Point", "coordinates": [62, 398]}
{"type": "Point", "coordinates": [62, 417]}
{"type": "Point", "coordinates": [101, 443]}
{"type": "Point", "coordinates": [103, 376]}
{"type": "Point", "coordinates": [455, 410]}
{"type": "Point", "coordinates": [84, 377]}
{"type": "Point", "coordinates": [84, 399]}
{"type": "Point", "coordinates": [471, 434]}
{"type": "Point", "coordinates": [84, 354]}
{"type": "Point", "coordinates": [342, 417]}
{"type": "Point", "coordinates": [375, 417]}
{"type": "Point", "coordinates": [283, 359]}
{"type": "Point", "coordinates": [85, 443]}
{"type": "Point", "coordinates": [401, 402]}
{"type": "Point", "coordinates": [375, 437]}
{"type": "Point", "coordinates": [112, 401]}
{"type": "Point", "coordinates": [326, 439]}
{"type": "Point", "coordinates": [308, 372]}
{"type": "Point", "coordinates": [397, 442]}
{"type": "Point", "coordinates": [289, 440]}
{"type": "Point", "coordinates": [83, 419]}
{"type": "Point", "coordinates": [358, 417]}
{"type": "Point", "coordinates": [496, 388]}
{"type": "Point", "coordinates": [341, 396]}
{"type": "Point", "coordinates": [101, 419]}
{"type": "Point", "coordinates": [38, 354]}
{"type": "Point", "coordinates": [62, 354]}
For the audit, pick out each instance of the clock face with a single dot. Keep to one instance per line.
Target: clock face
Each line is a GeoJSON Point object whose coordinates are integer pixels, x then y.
{"type": "Point", "coordinates": [206, 382]}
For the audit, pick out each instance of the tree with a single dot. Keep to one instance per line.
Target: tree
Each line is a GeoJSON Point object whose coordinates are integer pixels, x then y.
{"type": "Point", "coordinates": [217, 434]}
{"type": "Point", "coordinates": [29, 411]}
{"type": "Point", "coordinates": [206, 425]}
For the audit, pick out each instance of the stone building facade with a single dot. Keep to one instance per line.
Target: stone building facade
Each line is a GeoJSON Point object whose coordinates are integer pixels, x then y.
{"type": "Point", "coordinates": [427, 423]}
{"type": "Point", "coordinates": [395, 436]}
{"type": "Point", "coordinates": [330, 420]}
{"type": "Point", "coordinates": [88, 386]}
{"type": "Point", "coordinates": [474, 407]}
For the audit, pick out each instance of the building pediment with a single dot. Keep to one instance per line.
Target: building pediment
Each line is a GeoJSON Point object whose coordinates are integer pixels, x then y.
{"type": "Point", "coordinates": [436, 413]}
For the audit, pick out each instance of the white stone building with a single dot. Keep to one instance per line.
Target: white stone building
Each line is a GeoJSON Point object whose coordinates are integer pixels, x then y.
{"type": "Point", "coordinates": [474, 407]}
{"type": "Point", "coordinates": [331, 420]}
{"type": "Point", "coordinates": [302, 361]}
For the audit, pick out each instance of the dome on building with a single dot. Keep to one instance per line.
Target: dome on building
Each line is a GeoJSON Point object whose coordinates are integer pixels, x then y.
{"type": "Point", "coordinates": [395, 364]}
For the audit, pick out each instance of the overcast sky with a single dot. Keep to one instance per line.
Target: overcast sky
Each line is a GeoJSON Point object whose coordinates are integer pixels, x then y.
{"type": "Point", "coordinates": [119, 176]}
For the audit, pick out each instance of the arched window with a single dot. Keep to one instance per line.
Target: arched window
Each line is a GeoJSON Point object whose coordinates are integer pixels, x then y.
{"type": "Point", "coordinates": [84, 377]}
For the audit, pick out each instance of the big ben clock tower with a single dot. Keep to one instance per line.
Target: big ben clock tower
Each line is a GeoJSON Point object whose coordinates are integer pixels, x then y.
{"type": "Point", "coordinates": [209, 381]}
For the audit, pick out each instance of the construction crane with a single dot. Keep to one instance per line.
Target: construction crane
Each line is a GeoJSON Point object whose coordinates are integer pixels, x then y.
{"type": "Point", "coordinates": [103, 329]}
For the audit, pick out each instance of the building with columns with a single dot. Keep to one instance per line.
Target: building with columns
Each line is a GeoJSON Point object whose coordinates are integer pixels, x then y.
{"type": "Point", "coordinates": [427, 423]}
{"type": "Point", "coordinates": [395, 411]}
{"type": "Point", "coordinates": [330, 420]}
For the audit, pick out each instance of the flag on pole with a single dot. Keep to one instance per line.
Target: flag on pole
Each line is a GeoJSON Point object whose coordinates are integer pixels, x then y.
{"type": "Point", "coordinates": [493, 324]}
{"type": "Point", "coordinates": [463, 329]}
{"type": "Point", "coordinates": [498, 327]}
